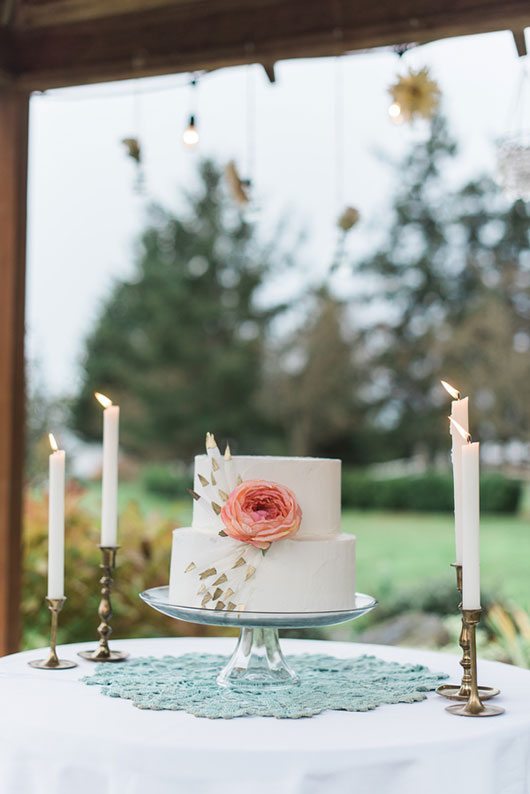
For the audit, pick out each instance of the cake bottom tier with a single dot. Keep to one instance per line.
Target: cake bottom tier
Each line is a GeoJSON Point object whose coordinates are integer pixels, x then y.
{"type": "Point", "coordinates": [214, 572]}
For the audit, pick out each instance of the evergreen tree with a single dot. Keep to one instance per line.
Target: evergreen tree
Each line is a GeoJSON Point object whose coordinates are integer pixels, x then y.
{"type": "Point", "coordinates": [180, 344]}
{"type": "Point", "coordinates": [443, 253]}
{"type": "Point", "coordinates": [314, 383]}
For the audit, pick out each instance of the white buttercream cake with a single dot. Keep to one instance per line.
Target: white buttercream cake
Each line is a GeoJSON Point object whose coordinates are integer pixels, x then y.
{"type": "Point", "coordinates": [265, 537]}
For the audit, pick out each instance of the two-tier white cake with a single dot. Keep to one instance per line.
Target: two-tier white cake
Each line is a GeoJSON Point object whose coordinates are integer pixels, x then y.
{"type": "Point", "coordinates": [265, 537]}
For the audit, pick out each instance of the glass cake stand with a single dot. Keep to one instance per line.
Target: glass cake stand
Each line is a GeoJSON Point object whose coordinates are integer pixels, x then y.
{"type": "Point", "coordinates": [257, 659]}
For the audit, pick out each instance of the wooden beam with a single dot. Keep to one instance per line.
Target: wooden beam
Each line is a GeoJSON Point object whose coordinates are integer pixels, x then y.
{"type": "Point", "coordinates": [13, 180]}
{"type": "Point", "coordinates": [270, 72]}
{"type": "Point", "coordinates": [209, 34]}
{"type": "Point", "coordinates": [520, 42]}
{"type": "Point", "coordinates": [61, 12]}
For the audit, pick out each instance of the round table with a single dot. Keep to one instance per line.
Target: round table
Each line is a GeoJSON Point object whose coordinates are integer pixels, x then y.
{"type": "Point", "coordinates": [59, 736]}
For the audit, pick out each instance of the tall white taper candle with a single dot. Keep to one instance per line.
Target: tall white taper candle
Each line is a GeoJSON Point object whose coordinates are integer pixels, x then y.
{"type": "Point", "coordinates": [109, 495]}
{"type": "Point", "coordinates": [56, 522]}
{"type": "Point", "coordinates": [459, 413]}
{"type": "Point", "coordinates": [471, 520]}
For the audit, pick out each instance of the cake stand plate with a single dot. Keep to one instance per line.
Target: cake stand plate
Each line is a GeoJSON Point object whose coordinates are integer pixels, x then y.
{"type": "Point", "coordinates": [257, 659]}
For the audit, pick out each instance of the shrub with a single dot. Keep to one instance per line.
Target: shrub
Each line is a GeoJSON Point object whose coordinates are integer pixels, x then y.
{"type": "Point", "coordinates": [430, 492]}
{"type": "Point", "coordinates": [168, 481]}
{"type": "Point", "coordinates": [143, 561]}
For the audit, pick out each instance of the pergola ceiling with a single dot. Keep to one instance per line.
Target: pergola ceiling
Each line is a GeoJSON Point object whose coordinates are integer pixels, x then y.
{"type": "Point", "coordinates": [47, 43]}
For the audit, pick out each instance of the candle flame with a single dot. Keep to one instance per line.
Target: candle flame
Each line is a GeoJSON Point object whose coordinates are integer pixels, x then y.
{"type": "Point", "coordinates": [465, 435]}
{"type": "Point", "coordinates": [455, 394]}
{"type": "Point", "coordinates": [53, 443]}
{"type": "Point", "coordinates": [102, 400]}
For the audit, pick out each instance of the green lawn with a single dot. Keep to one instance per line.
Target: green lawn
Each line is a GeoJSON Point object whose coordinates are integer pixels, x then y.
{"type": "Point", "coordinates": [397, 550]}
{"type": "Point", "coordinates": [400, 550]}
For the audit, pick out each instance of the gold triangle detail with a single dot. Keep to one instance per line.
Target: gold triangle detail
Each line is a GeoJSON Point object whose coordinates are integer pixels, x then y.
{"type": "Point", "coordinates": [190, 567]}
{"type": "Point", "coordinates": [221, 579]}
{"type": "Point", "coordinates": [215, 465]}
{"type": "Point", "coordinates": [203, 481]}
{"type": "Point", "coordinates": [208, 572]}
{"type": "Point", "coordinates": [238, 563]}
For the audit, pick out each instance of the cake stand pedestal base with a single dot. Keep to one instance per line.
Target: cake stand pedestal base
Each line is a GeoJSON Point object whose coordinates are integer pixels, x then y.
{"type": "Point", "coordinates": [257, 661]}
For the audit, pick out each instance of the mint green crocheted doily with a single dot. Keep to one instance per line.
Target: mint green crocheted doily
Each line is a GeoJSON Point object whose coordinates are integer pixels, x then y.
{"type": "Point", "coordinates": [188, 683]}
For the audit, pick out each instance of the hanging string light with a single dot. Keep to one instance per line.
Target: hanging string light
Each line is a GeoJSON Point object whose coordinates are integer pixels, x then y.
{"type": "Point", "coordinates": [190, 136]}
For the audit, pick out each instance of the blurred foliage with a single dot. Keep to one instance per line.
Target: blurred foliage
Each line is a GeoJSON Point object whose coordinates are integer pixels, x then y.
{"type": "Point", "coordinates": [312, 382]}
{"type": "Point", "coordinates": [168, 481]}
{"type": "Point", "coordinates": [511, 630]}
{"type": "Point", "coordinates": [430, 492]}
{"type": "Point", "coordinates": [449, 294]}
{"type": "Point", "coordinates": [180, 345]}
{"type": "Point", "coordinates": [143, 562]}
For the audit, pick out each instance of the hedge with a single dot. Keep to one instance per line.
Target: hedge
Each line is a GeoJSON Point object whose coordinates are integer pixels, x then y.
{"type": "Point", "coordinates": [430, 492]}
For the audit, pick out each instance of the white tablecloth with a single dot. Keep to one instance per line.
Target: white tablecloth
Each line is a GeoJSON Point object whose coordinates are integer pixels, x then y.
{"type": "Point", "coordinates": [58, 736]}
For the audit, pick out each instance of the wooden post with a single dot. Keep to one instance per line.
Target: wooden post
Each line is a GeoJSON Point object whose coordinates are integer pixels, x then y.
{"type": "Point", "coordinates": [13, 188]}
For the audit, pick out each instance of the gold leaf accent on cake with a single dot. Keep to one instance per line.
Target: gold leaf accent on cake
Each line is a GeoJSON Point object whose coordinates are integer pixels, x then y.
{"type": "Point", "coordinates": [190, 567]}
{"type": "Point", "coordinates": [208, 572]}
{"type": "Point", "coordinates": [229, 592]}
{"type": "Point", "coordinates": [213, 480]}
{"type": "Point", "coordinates": [223, 495]}
{"type": "Point", "coordinates": [222, 534]}
{"type": "Point", "coordinates": [217, 593]}
{"type": "Point", "coordinates": [230, 606]}
{"type": "Point", "coordinates": [216, 508]}
{"type": "Point", "coordinates": [203, 481]}
{"type": "Point", "coordinates": [228, 453]}
{"type": "Point", "coordinates": [211, 443]}
{"type": "Point", "coordinates": [251, 571]}
{"type": "Point", "coordinates": [221, 579]}
{"type": "Point", "coordinates": [215, 465]}
{"type": "Point", "coordinates": [239, 479]}
{"type": "Point", "coordinates": [220, 605]}
{"type": "Point", "coordinates": [202, 589]}
{"type": "Point", "coordinates": [238, 563]}
{"type": "Point", "coordinates": [193, 493]}
{"type": "Point", "coordinates": [206, 599]}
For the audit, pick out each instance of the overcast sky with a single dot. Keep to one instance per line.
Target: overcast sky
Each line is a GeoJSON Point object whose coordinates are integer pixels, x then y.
{"type": "Point", "coordinates": [84, 215]}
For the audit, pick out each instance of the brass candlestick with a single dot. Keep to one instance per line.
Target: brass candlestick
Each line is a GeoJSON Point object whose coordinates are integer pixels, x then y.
{"type": "Point", "coordinates": [462, 692]}
{"type": "Point", "coordinates": [474, 707]}
{"type": "Point", "coordinates": [53, 662]}
{"type": "Point", "coordinates": [103, 653]}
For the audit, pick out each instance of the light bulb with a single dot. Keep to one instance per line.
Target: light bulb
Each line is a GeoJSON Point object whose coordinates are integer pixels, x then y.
{"type": "Point", "coordinates": [190, 136]}
{"type": "Point", "coordinates": [394, 111]}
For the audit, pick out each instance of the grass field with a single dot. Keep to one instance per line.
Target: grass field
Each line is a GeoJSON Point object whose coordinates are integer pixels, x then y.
{"type": "Point", "coordinates": [401, 550]}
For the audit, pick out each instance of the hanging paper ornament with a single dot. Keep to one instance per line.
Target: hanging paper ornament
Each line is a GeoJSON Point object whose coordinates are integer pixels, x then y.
{"type": "Point", "coordinates": [239, 188]}
{"type": "Point", "coordinates": [134, 150]}
{"type": "Point", "coordinates": [414, 95]}
{"type": "Point", "coordinates": [513, 149]}
{"type": "Point", "coordinates": [513, 166]}
{"type": "Point", "coordinates": [348, 219]}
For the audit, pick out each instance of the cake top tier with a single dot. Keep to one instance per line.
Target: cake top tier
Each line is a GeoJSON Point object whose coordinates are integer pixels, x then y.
{"type": "Point", "coordinates": [315, 483]}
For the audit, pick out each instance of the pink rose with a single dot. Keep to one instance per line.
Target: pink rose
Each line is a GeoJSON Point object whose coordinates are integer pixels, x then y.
{"type": "Point", "coordinates": [259, 512]}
